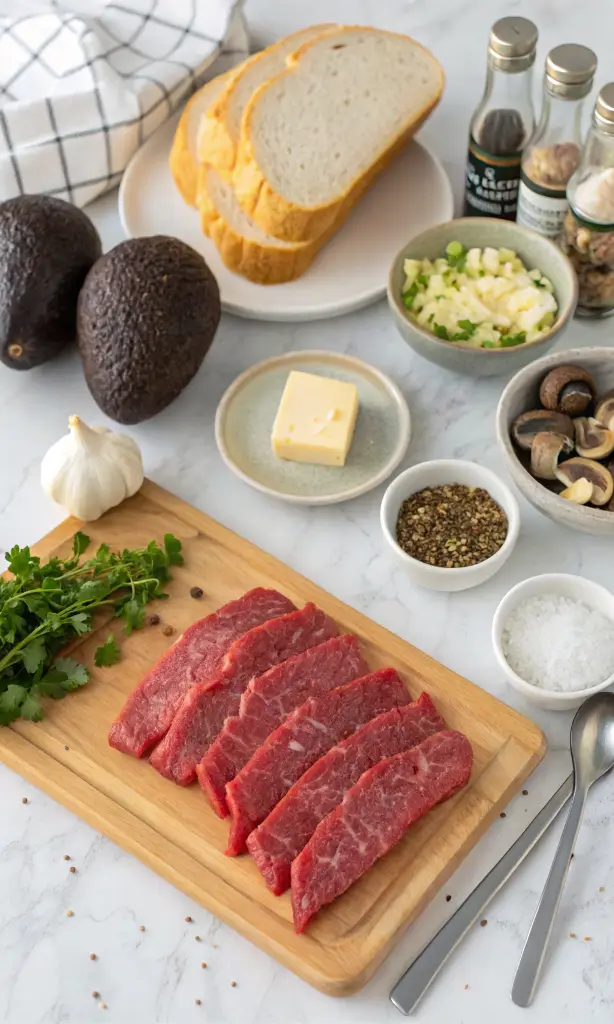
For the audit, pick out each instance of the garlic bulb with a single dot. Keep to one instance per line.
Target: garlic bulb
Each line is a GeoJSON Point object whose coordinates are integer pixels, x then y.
{"type": "Point", "coordinates": [91, 469]}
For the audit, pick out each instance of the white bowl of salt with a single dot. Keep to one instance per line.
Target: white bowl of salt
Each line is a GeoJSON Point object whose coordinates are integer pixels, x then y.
{"type": "Point", "coordinates": [553, 637]}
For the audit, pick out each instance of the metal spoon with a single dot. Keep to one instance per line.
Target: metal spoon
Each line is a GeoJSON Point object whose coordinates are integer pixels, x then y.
{"type": "Point", "coordinates": [592, 754]}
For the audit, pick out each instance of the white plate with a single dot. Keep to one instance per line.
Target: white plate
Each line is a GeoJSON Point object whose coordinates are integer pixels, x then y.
{"type": "Point", "coordinates": [413, 194]}
{"type": "Point", "coordinates": [245, 416]}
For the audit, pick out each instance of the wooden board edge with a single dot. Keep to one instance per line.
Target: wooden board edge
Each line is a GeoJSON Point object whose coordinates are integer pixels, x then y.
{"type": "Point", "coordinates": [172, 863]}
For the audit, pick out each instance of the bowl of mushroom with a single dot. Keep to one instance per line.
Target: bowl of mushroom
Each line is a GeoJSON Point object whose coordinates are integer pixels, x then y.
{"type": "Point", "coordinates": [555, 426]}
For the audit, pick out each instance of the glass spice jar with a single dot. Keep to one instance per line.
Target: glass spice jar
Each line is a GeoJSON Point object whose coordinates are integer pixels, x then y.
{"type": "Point", "coordinates": [552, 154]}
{"type": "Point", "coordinates": [588, 230]}
{"type": "Point", "coordinates": [502, 122]}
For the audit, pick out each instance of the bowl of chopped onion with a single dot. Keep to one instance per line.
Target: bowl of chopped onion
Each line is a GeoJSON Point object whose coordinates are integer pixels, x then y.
{"type": "Point", "coordinates": [481, 296]}
{"type": "Point", "coordinates": [553, 637]}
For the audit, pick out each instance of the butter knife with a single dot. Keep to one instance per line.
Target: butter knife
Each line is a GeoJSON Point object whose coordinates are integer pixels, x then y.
{"type": "Point", "coordinates": [410, 988]}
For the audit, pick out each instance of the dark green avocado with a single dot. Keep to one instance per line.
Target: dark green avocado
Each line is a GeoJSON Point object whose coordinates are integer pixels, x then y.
{"type": "Point", "coordinates": [147, 315]}
{"type": "Point", "coordinates": [47, 247]}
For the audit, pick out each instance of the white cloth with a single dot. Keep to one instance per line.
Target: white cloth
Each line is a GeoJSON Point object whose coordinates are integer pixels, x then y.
{"type": "Point", "coordinates": [83, 83]}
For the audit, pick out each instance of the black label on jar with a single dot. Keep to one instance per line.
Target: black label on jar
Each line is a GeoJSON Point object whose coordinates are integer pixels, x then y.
{"type": "Point", "coordinates": [492, 184]}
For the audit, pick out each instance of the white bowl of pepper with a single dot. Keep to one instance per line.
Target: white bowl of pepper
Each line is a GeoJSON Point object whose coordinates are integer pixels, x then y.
{"type": "Point", "coordinates": [452, 523]}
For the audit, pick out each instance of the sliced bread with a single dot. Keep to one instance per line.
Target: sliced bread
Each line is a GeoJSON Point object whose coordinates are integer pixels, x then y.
{"type": "Point", "coordinates": [243, 246]}
{"type": "Point", "coordinates": [220, 125]}
{"type": "Point", "coordinates": [183, 158]}
{"type": "Point", "coordinates": [315, 136]}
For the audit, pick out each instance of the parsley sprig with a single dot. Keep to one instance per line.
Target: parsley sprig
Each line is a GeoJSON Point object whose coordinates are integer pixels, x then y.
{"type": "Point", "coordinates": [47, 605]}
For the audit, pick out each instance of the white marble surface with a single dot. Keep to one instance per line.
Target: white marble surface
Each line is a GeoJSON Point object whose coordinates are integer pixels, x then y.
{"type": "Point", "coordinates": [46, 975]}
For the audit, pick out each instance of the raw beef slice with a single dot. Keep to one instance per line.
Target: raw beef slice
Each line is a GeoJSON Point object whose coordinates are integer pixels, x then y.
{"type": "Point", "coordinates": [288, 828]}
{"type": "Point", "coordinates": [306, 734]}
{"type": "Point", "coordinates": [205, 708]}
{"type": "Point", "coordinates": [373, 816]}
{"type": "Point", "coordinates": [196, 657]}
{"type": "Point", "coordinates": [267, 701]}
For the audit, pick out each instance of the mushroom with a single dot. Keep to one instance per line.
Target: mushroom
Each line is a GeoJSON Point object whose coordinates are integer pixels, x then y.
{"type": "Point", "coordinates": [600, 477]}
{"type": "Point", "coordinates": [604, 410]}
{"type": "Point", "coordinates": [580, 491]}
{"type": "Point", "coordinates": [548, 446]}
{"type": "Point", "coordinates": [526, 426]}
{"type": "Point", "coordinates": [593, 440]}
{"type": "Point", "coordinates": [567, 389]}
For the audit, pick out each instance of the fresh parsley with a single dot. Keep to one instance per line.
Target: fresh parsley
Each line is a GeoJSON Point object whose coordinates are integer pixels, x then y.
{"type": "Point", "coordinates": [46, 605]}
{"type": "Point", "coordinates": [108, 653]}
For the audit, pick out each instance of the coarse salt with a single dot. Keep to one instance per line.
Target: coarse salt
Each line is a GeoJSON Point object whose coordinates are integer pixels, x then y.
{"type": "Point", "coordinates": [557, 643]}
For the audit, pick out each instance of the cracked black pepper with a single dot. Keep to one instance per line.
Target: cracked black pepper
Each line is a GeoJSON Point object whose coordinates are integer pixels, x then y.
{"type": "Point", "coordinates": [451, 526]}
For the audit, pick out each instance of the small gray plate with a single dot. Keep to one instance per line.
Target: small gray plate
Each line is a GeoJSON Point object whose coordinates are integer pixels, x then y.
{"type": "Point", "coordinates": [245, 416]}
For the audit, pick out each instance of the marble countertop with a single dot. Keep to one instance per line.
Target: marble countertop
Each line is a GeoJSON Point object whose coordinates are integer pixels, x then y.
{"type": "Point", "coordinates": [155, 975]}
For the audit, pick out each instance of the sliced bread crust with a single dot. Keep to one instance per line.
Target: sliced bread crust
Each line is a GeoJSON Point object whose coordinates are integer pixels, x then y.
{"type": "Point", "coordinates": [183, 157]}
{"type": "Point", "coordinates": [325, 90]}
{"type": "Point", "coordinates": [243, 246]}
{"type": "Point", "coordinates": [220, 126]}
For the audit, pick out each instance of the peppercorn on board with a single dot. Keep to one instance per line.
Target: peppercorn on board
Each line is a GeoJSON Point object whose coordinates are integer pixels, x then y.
{"type": "Point", "coordinates": [176, 833]}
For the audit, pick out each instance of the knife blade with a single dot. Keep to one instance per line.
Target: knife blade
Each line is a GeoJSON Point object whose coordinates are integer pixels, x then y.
{"type": "Point", "coordinates": [412, 985]}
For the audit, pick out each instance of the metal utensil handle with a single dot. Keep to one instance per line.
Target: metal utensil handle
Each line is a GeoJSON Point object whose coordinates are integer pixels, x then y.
{"type": "Point", "coordinates": [534, 952]}
{"type": "Point", "coordinates": [418, 977]}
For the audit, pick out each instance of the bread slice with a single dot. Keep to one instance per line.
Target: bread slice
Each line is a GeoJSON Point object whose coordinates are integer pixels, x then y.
{"type": "Point", "coordinates": [315, 136]}
{"type": "Point", "coordinates": [244, 247]}
{"type": "Point", "coordinates": [183, 158]}
{"type": "Point", "coordinates": [220, 125]}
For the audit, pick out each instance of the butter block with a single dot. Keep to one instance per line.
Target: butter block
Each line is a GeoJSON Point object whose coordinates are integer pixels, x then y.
{"type": "Point", "coordinates": [315, 420]}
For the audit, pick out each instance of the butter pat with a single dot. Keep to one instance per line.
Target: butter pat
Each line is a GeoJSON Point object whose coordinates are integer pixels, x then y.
{"type": "Point", "coordinates": [315, 420]}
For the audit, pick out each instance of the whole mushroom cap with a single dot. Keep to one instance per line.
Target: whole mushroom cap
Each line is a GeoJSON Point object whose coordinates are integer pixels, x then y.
{"type": "Point", "coordinates": [568, 389]}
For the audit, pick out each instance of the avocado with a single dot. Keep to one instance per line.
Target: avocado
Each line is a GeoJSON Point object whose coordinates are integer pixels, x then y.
{"type": "Point", "coordinates": [146, 317]}
{"type": "Point", "coordinates": [47, 247]}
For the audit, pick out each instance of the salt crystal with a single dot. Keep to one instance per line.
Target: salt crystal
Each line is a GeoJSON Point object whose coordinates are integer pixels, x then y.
{"type": "Point", "coordinates": [557, 643]}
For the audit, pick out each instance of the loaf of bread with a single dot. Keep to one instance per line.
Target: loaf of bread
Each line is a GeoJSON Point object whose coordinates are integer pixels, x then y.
{"type": "Point", "coordinates": [315, 135]}
{"type": "Point", "coordinates": [183, 160]}
{"type": "Point", "coordinates": [243, 246]}
{"type": "Point", "coordinates": [220, 127]}
{"type": "Point", "coordinates": [276, 153]}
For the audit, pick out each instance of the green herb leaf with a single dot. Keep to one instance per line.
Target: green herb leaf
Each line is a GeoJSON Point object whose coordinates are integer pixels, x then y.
{"type": "Point", "coordinates": [81, 623]}
{"type": "Point", "coordinates": [80, 543]}
{"type": "Point", "coordinates": [10, 703]}
{"type": "Point", "coordinates": [489, 344]}
{"type": "Point", "coordinates": [510, 340]}
{"type": "Point", "coordinates": [108, 653]}
{"type": "Point", "coordinates": [33, 655]}
{"type": "Point", "coordinates": [410, 295]}
{"type": "Point", "coordinates": [468, 326]}
{"type": "Point", "coordinates": [31, 709]}
{"type": "Point", "coordinates": [441, 332]}
{"type": "Point", "coordinates": [133, 614]}
{"type": "Point", "coordinates": [21, 562]}
{"type": "Point", "coordinates": [76, 673]}
{"type": "Point", "coordinates": [173, 546]}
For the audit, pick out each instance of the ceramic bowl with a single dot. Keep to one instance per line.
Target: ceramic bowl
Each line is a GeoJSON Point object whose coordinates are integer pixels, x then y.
{"type": "Point", "coordinates": [533, 249]}
{"type": "Point", "coordinates": [565, 585]}
{"type": "Point", "coordinates": [521, 395]}
{"type": "Point", "coordinates": [432, 474]}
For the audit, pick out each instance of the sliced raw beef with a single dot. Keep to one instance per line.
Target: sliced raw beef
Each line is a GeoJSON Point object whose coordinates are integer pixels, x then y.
{"type": "Point", "coordinates": [268, 700]}
{"type": "Point", "coordinates": [373, 816]}
{"type": "Point", "coordinates": [196, 657]}
{"type": "Point", "coordinates": [288, 828]}
{"type": "Point", "coordinates": [205, 708]}
{"type": "Point", "coordinates": [307, 733]}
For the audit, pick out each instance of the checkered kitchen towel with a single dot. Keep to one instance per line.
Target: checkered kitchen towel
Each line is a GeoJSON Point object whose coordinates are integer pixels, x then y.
{"type": "Point", "coordinates": [83, 83]}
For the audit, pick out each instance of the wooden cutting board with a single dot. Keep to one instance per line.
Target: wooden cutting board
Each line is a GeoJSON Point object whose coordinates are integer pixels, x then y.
{"type": "Point", "coordinates": [174, 831]}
